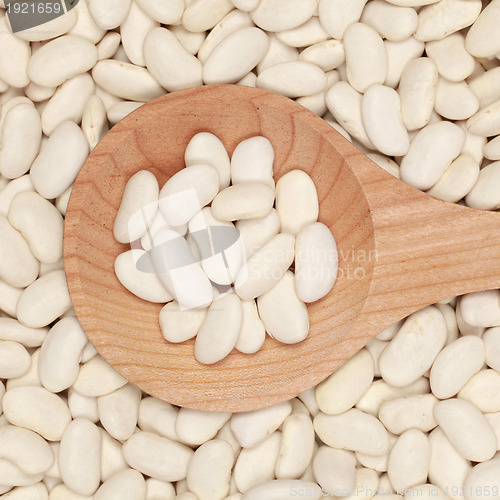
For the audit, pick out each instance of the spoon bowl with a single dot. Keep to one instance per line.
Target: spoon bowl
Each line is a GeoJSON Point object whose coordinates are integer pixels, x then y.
{"type": "Point", "coordinates": [399, 249]}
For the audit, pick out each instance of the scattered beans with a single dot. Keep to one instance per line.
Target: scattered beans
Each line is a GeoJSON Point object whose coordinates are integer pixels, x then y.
{"type": "Point", "coordinates": [359, 63]}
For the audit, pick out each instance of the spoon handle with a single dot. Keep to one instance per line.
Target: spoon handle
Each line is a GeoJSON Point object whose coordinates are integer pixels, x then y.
{"type": "Point", "coordinates": [426, 249]}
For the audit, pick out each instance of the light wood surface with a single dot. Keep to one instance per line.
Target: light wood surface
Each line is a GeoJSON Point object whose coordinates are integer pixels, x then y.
{"type": "Point", "coordinates": [400, 249]}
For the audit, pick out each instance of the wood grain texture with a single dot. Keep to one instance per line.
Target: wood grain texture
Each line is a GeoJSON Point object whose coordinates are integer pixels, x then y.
{"type": "Point", "coordinates": [400, 249]}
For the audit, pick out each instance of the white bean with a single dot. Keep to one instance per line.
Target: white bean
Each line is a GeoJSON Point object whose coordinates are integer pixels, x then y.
{"type": "Point", "coordinates": [144, 284]}
{"type": "Point", "coordinates": [297, 446]}
{"type": "Point", "coordinates": [15, 360]}
{"type": "Point", "coordinates": [20, 140]}
{"type": "Point", "coordinates": [157, 457]}
{"type": "Point", "coordinates": [97, 378]}
{"type": "Point", "coordinates": [451, 58]}
{"type": "Point", "coordinates": [10, 329]}
{"type": "Point", "coordinates": [467, 429]}
{"type": "Point", "coordinates": [455, 100]}
{"type": "Point", "coordinates": [187, 192]}
{"type": "Point", "coordinates": [26, 449]}
{"type": "Point", "coordinates": [137, 208]}
{"type": "Point", "coordinates": [133, 32]}
{"type": "Point", "coordinates": [201, 15]}
{"type": "Point", "coordinates": [292, 79]}
{"type": "Point", "coordinates": [485, 475]}
{"type": "Point", "coordinates": [179, 325]}
{"type": "Point", "coordinates": [431, 152]}
{"type": "Point", "coordinates": [366, 57]}
{"type": "Point", "coordinates": [482, 38]}
{"type": "Point", "coordinates": [343, 388]}
{"type": "Point", "coordinates": [68, 102]}
{"type": "Point", "coordinates": [18, 266]}
{"type": "Point", "coordinates": [289, 324]}
{"type": "Point", "coordinates": [110, 15]}
{"type": "Point", "coordinates": [165, 13]}
{"type": "Point", "coordinates": [491, 339]}
{"type": "Point", "coordinates": [235, 56]}
{"type": "Point", "coordinates": [36, 409]}
{"type": "Point", "coordinates": [94, 121]}
{"type": "Point", "coordinates": [447, 468]}
{"type": "Point", "coordinates": [409, 458]}
{"type": "Point", "coordinates": [118, 411]}
{"type": "Point", "coordinates": [483, 390]}
{"type": "Point", "coordinates": [14, 57]}
{"type": "Point", "coordinates": [457, 180]}
{"type": "Point", "coordinates": [296, 201]}
{"type": "Point", "coordinates": [61, 59]}
{"type": "Point", "coordinates": [124, 485]}
{"type": "Point", "coordinates": [401, 414]}
{"type": "Point", "coordinates": [256, 464]}
{"type": "Point", "coordinates": [169, 62]}
{"type": "Point", "coordinates": [79, 456]}
{"type": "Point", "coordinates": [252, 161]}
{"type": "Point", "coordinates": [391, 22]}
{"type": "Point", "coordinates": [60, 160]}
{"type": "Point", "coordinates": [280, 15]}
{"type": "Point", "coordinates": [40, 223]}
{"type": "Point", "coordinates": [247, 200]}
{"type": "Point", "coordinates": [195, 427]}
{"type": "Point", "coordinates": [345, 105]}
{"type": "Point", "coordinates": [205, 148]}
{"type": "Point", "coordinates": [255, 233]}
{"type": "Point", "coordinates": [455, 365]}
{"type": "Point", "coordinates": [253, 427]}
{"type": "Point", "coordinates": [381, 114]}
{"type": "Point", "coordinates": [209, 470]}
{"type": "Point", "coordinates": [219, 332]}
{"type": "Point", "coordinates": [126, 80]}
{"type": "Point", "coordinates": [443, 18]}
{"type": "Point", "coordinates": [417, 90]}
{"type": "Point", "coordinates": [44, 300]}
{"type": "Point", "coordinates": [485, 194]}
{"type": "Point", "coordinates": [336, 15]}
{"type": "Point", "coordinates": [352, 430]}
{"type": "Point", "coordinates": [253, 333]}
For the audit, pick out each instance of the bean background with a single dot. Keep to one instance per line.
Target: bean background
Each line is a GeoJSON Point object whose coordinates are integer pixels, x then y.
{"type": "Point", "coordinates": [415, 84]}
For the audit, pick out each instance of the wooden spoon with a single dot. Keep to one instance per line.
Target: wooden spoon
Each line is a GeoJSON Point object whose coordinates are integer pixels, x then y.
{"type": "Point", "coordinates": [400, 249]}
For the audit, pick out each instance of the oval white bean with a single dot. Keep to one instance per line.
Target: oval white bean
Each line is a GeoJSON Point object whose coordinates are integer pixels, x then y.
{"type": "Point", "coordinates": [205, 148]}
{"type": "Point", "coordinates": [292, 79]}
{"type": "Point", "coordinates": [126, 80]}
{"type": "Point", "coordinates": [97, 378]}
{"type": "Point", "coordinates": [343, 388]}
{"type": "Point", "coordinates": [235, 56]}
{"type": "Point", "coordinates": [265, 267]}
{"type": "Point", "coordinates": [15, 360]}
{"type": "Point", "coordinates": [157, 457]}
{"type": "Point", "coordinates": [431, 152]}
{"type": "Point", "coordinates": [366, 57]}
{"type": "Point", "coordinates": [296, 201]}
{"type": "Point", "coordinates": [289, 324]}
{"type": "Point", "coordinates": [219, 331]}
{"type": "Point", "coordinates": [60, 160]}
{"type": "Point", "coordinates": [60, 354]}
{"type": "Point", "coordinates": [169, 63]}
{"type": "Point", "coordinates": [61, 59]}
{"type": "Point", "coordinates": [40, 223]}
{"type": "Point", "coordinates": [118, 411]}
{"type": "Point", "coordinates": [36, 409]}
{"type": "Point", "coordinates": [44, 300]}
{"type": "Point", "coordinates": [187, 192]}
{"type": "Point", "coordinates": [138, 207]}
{"type": "Point", "coordinates": [467, 429]}
{"type": "Point", "coordinates": [80, 457]}
{"type": "Point", "coordinates": [20, 140]}
{"type": "Point", "coordinates": [252, 161]}
{"type": "Point", "coordinates": [247, 200]}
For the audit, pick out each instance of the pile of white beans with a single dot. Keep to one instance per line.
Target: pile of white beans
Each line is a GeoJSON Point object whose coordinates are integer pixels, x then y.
{"type": "Point", "coordinates": [416, 412]}
{"type": "Point", "coordinates": [235, 282]}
